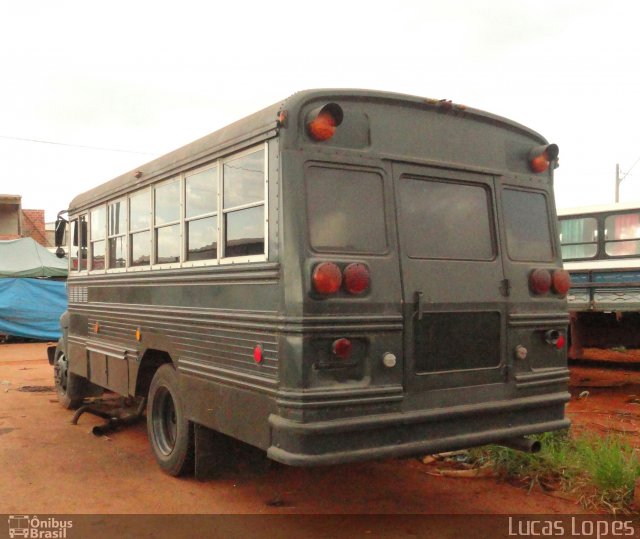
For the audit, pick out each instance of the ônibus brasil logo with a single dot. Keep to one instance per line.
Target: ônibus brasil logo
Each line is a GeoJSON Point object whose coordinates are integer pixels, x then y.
{"type": "Point", "coordinates": [38, 528]}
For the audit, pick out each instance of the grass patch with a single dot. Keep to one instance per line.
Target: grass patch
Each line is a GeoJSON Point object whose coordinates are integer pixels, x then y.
{"type": "Point", "coordinates": [600, 471]}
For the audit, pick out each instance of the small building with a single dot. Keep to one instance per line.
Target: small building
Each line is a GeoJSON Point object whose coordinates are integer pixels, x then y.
{"type": "Point", "coordinates": [16, 223]}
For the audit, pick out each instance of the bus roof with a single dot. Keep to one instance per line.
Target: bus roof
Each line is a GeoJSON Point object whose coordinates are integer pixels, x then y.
{"type": "Point", "coordinates": [600, 208]}
{"type": "Point", "coordinates": [259, 126]}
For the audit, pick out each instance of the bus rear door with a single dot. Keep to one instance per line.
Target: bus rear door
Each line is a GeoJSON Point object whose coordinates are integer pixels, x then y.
{"type": "Point", "coordinates": [455, 302]}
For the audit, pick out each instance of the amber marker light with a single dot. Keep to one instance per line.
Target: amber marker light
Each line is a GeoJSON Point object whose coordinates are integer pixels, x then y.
{"type": "Point", "coordinates": [322, 123]}
{"type": "Point", "coordinates": [541, 157]}
{"type": "Point", "coordinates": [138, 334]}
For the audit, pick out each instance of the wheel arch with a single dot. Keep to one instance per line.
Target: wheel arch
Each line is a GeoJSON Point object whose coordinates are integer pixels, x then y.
{"type": "Point", "coordinates": [151, 361]}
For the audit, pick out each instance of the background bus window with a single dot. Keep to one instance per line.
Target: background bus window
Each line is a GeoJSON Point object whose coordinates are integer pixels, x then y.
{"type": "Point", "coordinates": [167, 222]}
{"type": "Point", "coordinates": [117, 235]}
{"type": "Point", "coordinates": [622, 234]}
{"type": "Point", "coordinates": [446, 220]}
{"type": "Point", "coordinates": [578, 238]}
{"type": "Point", "coordinates": [243, 205]}
{"type": "Point", "coordinates": [345, 210]}
{"type": "Point", "coordinates": [201, 214]}
{"type": "Point", "coordinates": [139, 228]}
{"type": "Point", "coordinates": [98, 225]}
{"type": "Point", "coordinates": [527, 226]}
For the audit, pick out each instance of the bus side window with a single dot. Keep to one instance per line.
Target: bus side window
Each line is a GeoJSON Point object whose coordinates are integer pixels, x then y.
{"type": "Point", "coordinates": [243, 205]}
{"type": "Point", "coordinates": [73, 248]}
{"type": "Point", "coordinates": [78, 250]}
{"type": "Point", "coordinates": [623, 234]}
{"type": "Point", "coordinates": [98, 224]}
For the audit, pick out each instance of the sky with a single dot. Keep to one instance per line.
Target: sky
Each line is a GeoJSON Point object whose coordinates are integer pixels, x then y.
{"type": "Point", "coordinates": [91, 90]}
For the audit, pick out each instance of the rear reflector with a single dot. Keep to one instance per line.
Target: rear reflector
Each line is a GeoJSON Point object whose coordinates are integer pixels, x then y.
{"type": "Point", "coordinates": [342, 348]}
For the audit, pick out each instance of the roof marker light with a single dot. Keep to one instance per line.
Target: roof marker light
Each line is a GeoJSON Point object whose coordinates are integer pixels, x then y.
{"type": "Point", "coordinates": [322, 122]}
{"type": "Point", "coordinates": [541, 156]}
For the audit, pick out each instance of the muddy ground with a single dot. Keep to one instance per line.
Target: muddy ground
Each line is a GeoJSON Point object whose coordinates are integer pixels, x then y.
{"type": "Point", "coordinates": [49, 466]}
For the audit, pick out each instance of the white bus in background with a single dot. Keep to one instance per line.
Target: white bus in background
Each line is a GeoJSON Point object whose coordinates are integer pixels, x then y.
{"type": "Point", "coordinates": [601, 250]}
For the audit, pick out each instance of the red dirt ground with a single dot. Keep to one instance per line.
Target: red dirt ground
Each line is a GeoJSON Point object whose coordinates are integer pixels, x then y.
{"type": "Point", "coordinates": [50, 466]}
{"type": "Point", "coordinates": [607, 400]}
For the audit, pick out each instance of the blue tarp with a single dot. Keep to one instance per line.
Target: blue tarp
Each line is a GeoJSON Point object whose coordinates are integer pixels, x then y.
{"type": "Point", "coordinates": [32, 308]}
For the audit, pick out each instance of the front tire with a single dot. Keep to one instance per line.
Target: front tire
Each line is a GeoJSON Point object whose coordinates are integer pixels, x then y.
{"type": "Point", "coordinates": [170, 433]}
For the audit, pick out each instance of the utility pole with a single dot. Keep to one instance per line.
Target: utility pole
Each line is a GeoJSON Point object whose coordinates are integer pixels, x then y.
{"type": "Point", "coordinates": [618, 180]}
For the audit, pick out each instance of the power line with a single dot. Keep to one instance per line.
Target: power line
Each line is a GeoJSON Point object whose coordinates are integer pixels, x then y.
{"type": "Point", "coordinates": [629, 171]}
{"type": "Point", "coordinates": [74, 145]}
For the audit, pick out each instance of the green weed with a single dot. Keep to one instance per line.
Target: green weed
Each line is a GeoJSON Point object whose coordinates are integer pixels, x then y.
{"type": "Point", "coordinates": [600, 471]}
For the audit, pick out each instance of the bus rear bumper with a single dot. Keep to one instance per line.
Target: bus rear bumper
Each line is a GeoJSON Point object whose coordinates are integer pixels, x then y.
{"type": "Point", "coordinates": [406, 434]}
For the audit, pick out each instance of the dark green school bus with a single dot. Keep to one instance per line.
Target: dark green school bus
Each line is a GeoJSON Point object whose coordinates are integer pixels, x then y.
{"type": "Point", "coordinates": [344, 275]}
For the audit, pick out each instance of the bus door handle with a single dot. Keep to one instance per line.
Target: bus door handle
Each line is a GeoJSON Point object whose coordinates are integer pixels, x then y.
{"type": "Point", "coordinates": [417, 303]}
{"type": "Point", "coordinates": [505, 287]}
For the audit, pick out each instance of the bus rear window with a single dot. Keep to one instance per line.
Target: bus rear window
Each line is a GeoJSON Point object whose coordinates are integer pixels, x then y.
{"type": "Point", "coordinates": [345, 210]}
{"type": "Point", "coordinates": [446, 220]}
{"type": "Point", "coordinates": [527, 226]}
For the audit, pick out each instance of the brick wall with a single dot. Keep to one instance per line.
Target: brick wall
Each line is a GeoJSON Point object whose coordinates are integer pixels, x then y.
{"type": "Point", "coordinates": [33, 226]}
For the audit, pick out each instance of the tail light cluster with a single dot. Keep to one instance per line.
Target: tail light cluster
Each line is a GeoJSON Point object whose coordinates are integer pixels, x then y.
{"type": "Point", "coordinates": [542, 281]}
{"type": "Point", "coordinates": [328, 278]}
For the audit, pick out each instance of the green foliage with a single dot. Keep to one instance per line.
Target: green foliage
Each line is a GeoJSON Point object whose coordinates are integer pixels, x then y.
{"type": "Point", "coordinates": [601, 470]}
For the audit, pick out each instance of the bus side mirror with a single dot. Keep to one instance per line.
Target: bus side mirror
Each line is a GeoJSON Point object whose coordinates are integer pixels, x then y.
{"type": "Point", "coordinates": [60, 228]}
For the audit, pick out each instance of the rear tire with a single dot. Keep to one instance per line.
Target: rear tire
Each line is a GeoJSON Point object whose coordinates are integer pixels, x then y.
{"type": "Point", "coordinates": [71, 388]}
{"type": "Point", "coordinates": [170, 433]}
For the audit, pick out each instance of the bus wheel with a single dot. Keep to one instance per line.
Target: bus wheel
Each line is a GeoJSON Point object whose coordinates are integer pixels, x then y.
{"type": "Point", "coordinates": [170, 433]}
{"type": "Point", "coordinates": [70, 387]}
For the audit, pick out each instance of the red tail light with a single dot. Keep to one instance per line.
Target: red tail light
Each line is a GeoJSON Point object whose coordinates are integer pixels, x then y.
{"type": "Point", "coordinates": [541, 156]}
{"type": "Point", "coordinates": [540, 281]}
{"type": "Point", "coordinates": [356, 278]}
{"type": "Point", "coordinates": [327, 278]}
{"type": "Point", "coordinates": [342, 348]}
{"type": "Point", "coordinates": [561, 282]}
{"type": "Point", "coordinates": [322, 123]}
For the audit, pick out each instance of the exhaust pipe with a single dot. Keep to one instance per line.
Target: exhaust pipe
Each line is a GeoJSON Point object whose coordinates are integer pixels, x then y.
{"type": "Point", "coordinates": [522, 444]}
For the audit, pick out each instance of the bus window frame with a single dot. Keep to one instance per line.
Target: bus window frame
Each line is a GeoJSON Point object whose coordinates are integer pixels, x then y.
{"type": "Point", "coordinates": [264, 147]}
{"type": "Point", "coordinates": [554, 245]}
{"type": "Point", "coordinates": [179, 179]}
{"type": "Point", "coordinates": [125, 202]}
{"type": "Point", "coordinates": [596, 242]}
{"type": "Point", "coordinates": [91, 241]}
{"type": "Point", "coordinates": [185, 236]}
{"type": "Point", "coordinates": [606, 241]}
{"type": "Point", "coordinates": [148, 189]}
